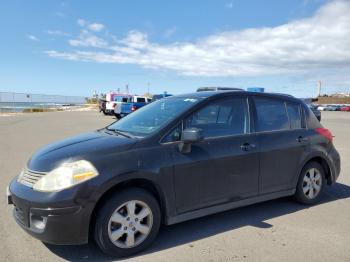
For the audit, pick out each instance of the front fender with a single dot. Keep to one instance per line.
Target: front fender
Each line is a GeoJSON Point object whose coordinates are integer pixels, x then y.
{"type": "Point", "coordinates": [153, 178]}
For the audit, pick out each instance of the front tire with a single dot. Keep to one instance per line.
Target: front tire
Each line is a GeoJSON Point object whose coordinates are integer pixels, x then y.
{"type": "Point", "coordinates": [127, 223]}
{"type": "Point", "coordinates": [311, 184]}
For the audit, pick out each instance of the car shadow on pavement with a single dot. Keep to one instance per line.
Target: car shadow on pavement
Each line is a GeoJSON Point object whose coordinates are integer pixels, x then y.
{"type": "Point", "coordinates": [190, 231]}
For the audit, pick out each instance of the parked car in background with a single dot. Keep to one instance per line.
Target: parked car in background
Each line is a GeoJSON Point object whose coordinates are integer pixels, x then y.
{"type": "Point", "coordinates": [331, 108]}
{"type": "Point", "coordinates": [316, 112]}
{"type": "Point", "coordinates": [110, 103]}
{"type": "Point", "coordinates": [102, 106]}
{"type": "Point", "coordinates": [321, 108]}
{"type": "Point", "coordinates": [134, 103]}
{"type": "Point", "coordinates": [345, 108]}
{"type": "Point", "coordinates": [119, 100]}
{"type": "Point", "coordinates": [327, 108]}
{"type": "Point", "coordinates": [338, 107]}
{"type": "Point", "coordinates": [113, 102]}
{"type": "Point", "coordinates": [176, 159]}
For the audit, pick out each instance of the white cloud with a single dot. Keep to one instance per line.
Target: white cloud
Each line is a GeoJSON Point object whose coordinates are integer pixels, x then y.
{"type": "Point", "coordinates": [136, 39]}
{"type": "Point", "coordinates": [321, 42]}
{"type": "Point", "coordinates": [229, 5]}
{"type": "Point", "coordinates": [81, 22]}
{"type": "Point", "coordinates": [96, 27]}
{"type": "Point", "coordinates": [33, 38]}
{"type": "Point", "coordinates": [57, 33]}
{"type": "Point", "coordinates": [86, 39]}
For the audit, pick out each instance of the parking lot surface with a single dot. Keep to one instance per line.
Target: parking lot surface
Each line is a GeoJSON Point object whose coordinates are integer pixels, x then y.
{"type": "Point", "coordinates": [278, 230]}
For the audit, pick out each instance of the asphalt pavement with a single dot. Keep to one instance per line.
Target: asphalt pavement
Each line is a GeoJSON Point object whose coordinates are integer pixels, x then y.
{"type": "Point", "coordinates": [278, 230]}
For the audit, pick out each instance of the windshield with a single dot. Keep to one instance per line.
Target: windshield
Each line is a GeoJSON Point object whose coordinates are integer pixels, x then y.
{"type": "Point", "coordinates": [153, 116]}
{"type": "Point", "coordinates": [140, 100]}
{"type": "Point", "coordinates": [121, 99]}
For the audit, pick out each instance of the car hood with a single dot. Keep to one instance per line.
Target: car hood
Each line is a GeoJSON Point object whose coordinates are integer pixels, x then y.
{"type": "Point", "coordinates": [88, 146]}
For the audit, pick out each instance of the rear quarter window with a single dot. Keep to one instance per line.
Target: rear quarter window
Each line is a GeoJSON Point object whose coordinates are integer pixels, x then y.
{"type": "Point", "coordinates": [311, 120]}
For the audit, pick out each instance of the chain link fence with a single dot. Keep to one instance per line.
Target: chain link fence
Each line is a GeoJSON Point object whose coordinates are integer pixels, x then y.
{"type": "Point", "coordinates": [11, 102]}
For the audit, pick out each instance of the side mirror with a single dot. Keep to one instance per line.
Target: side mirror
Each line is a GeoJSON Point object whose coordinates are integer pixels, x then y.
{"type": "Point", "coordinates": [190, 136]}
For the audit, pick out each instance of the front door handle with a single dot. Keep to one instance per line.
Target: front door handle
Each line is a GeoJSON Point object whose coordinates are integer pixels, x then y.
{"type": "Point", "coordinates": [247, 147]}
{"type": "Point", "coordinates": [301, 139]}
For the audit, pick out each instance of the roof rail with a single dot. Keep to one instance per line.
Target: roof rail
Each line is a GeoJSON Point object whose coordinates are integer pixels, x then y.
{"type": "Point", "coordinates": [218, 88]}
{"type": "Point", "coordinates": [282, 94]}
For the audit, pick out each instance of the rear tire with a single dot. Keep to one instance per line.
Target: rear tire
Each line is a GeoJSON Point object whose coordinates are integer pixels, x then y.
{"type": "Point", "coordinates": [311, 184]}
{"type": "Point", "coordinates": [127, 223]}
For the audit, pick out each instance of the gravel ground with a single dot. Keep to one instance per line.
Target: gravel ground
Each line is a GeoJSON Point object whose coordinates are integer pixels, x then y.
{"type": "Point", "coordinates": [278, 230]}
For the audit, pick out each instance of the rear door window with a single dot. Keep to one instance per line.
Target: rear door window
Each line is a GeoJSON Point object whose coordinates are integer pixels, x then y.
{"type": "Point", "coordinates": [271, 114]}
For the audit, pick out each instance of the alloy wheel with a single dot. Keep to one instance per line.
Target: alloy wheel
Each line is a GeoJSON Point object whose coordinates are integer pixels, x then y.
{"type": "Point", "coordinates": [130, 224]}
{"type": "Point", "coordinates": [312, 183]}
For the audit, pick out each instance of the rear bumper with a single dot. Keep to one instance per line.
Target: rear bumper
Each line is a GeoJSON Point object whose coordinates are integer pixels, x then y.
{"type": "Point", "coordinates": [63, 225]}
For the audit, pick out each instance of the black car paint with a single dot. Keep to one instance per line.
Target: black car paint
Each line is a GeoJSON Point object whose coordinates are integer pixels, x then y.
{"type": "Point", "coordinates": [87, 146]}
{"type": "Point", "coordinates": [185, 183]}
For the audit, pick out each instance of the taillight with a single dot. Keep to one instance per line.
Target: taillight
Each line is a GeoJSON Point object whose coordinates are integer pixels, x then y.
{"type": "Point", "coordinates": [133, 108]}
{"type": "Point", "coordinates": [325, 133]}
{"type": "Point", "coordinates": [114, 105]}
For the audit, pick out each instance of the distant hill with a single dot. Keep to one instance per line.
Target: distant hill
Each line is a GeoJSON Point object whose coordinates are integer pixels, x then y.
{"type": "Point", "coordinates": [332, 100]}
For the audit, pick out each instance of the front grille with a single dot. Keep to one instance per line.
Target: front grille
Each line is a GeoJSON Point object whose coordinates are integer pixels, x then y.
{"type": "Point", "coordinates": [19, 214]}
{"type": "Point", "coordinates": [29, 178]}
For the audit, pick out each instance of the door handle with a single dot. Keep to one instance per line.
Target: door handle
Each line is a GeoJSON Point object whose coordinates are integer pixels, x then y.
{"type": "Point", "coordinates": [301, 139]}
{"type": "Point", "coordinates": [247, 147]}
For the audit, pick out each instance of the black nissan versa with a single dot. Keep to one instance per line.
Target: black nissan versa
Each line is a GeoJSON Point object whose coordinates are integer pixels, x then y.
{"type": "Point", "coordinates": [176, 159]}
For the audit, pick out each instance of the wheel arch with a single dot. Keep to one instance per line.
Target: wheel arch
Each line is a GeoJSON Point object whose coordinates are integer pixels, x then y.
{"type": "Point", "coordinates": [146, 184]}
{"type": "Point", "coordinates": [322, 160]}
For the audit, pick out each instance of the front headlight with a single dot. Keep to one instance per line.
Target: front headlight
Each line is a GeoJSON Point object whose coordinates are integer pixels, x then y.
{"type": "Point", "coordinates": [66, 175]}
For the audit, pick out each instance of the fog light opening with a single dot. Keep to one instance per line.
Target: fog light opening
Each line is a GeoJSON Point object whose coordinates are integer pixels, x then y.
{"type": "Point", "coordinates": [38, 222]}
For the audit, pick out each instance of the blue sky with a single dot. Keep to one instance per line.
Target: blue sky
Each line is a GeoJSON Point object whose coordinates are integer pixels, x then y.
{"type": "Point", "coordinates": [76, 47]}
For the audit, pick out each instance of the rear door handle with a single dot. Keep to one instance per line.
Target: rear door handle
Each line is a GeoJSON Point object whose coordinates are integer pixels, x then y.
{"type": "Point", "coordinates": [301, 139]}
{"type": "Point", "coordinates": [247, 147]}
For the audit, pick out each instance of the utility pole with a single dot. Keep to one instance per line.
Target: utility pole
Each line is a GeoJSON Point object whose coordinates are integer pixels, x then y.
{"type": "Point", "coordinates": [127, 88]}
{"type": "Point", "coordinates": [319, 88]}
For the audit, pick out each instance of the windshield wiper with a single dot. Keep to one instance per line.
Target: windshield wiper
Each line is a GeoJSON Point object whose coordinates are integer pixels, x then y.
{"type": "Point", "coordinates": [122, 133]}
